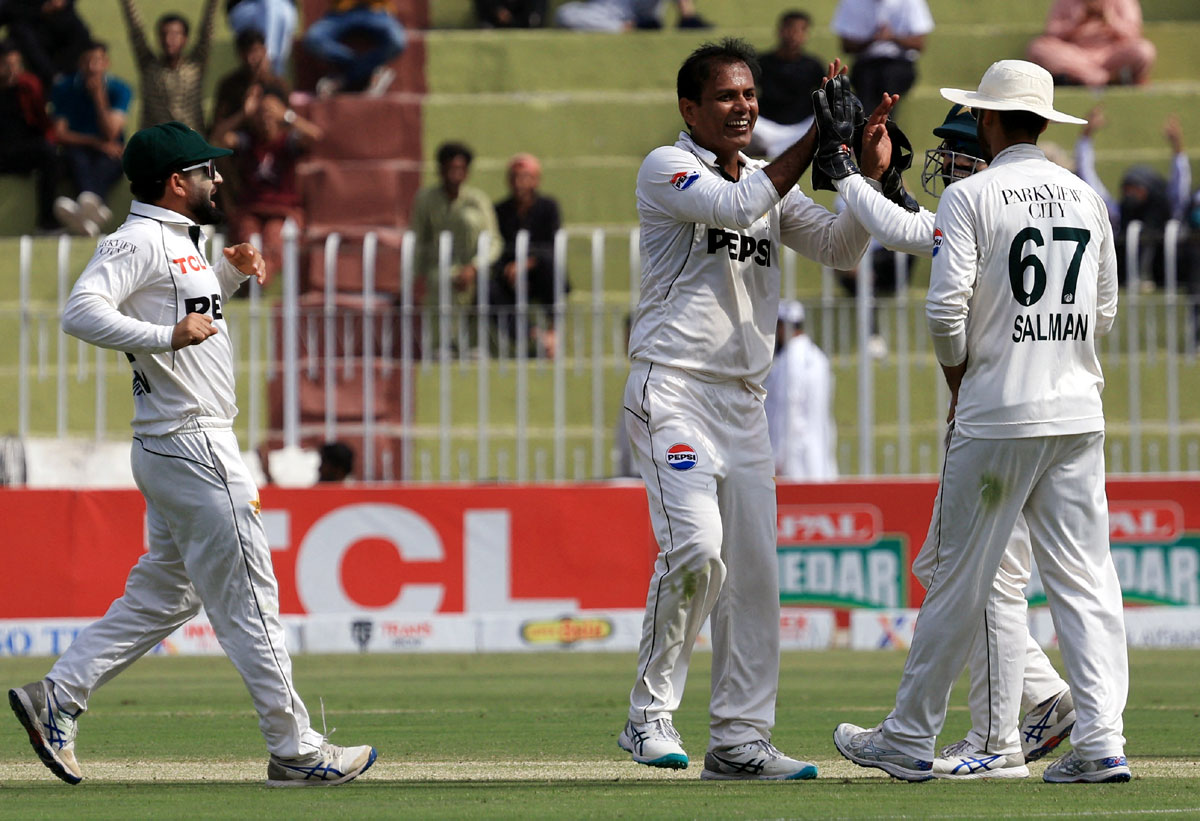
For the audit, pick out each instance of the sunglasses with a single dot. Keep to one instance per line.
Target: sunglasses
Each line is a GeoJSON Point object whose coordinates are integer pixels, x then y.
{"type": "Point", "coordinates": [209, 166]}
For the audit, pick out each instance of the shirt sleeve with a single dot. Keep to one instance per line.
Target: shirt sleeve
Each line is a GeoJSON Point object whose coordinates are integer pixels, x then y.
{"type": "Point", "coordinates": [952, 276]}
{"type": "Point", "coordinates": [835, 240]}
{"type": "Point", "coordinates": [228, 276]}
{"type": "Point", "coordinates": [1106, 284]}
{"type": "Point", "coordinates": [119, 95]}
{"type": "Point", "coordinates": [673, 182]}
{"type": "Point", "coordinates": [896, 228]}
{"type": "Point", "coordinates": [92, 312]}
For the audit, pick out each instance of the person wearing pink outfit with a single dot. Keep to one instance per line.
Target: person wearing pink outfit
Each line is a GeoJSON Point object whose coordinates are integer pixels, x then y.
{"type": "Point", "coordinates": [1094, 43]}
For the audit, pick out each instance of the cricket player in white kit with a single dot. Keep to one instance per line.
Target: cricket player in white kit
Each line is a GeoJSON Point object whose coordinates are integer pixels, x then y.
{"type": "Point", "coordinates": [990, 750]}
{"type": "Point", "coordinates": [1023, 280]}
{"type": "Point", "coordinates": [712, 221]}
{"type": "Point", "coordinates": [150, 292]}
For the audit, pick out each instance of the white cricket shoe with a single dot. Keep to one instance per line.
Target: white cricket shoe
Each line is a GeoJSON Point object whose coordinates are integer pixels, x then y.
{"type": "Point", "coordinates": [1047, 725]}
{"type": "Point", "coordinates": [328, 766]}
{"type": "Point", "coordinates": [963, 760]}
{"type": "Point", "coordinates": [867, 748]}
{"type": "Point", "coordinates": [51, 729]}
{"type": "Point", "coordinates": [1071, 769]}
{"type": "Point", "coordinates": [68, 212]}
{"type": "Point", "coordinates": [655, 744]}
{"type": "Point", "coordinates": [755, 761]}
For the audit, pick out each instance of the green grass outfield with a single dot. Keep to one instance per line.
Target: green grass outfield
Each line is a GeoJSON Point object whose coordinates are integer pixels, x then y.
{"type": "Point", "coordinates": [524, 736]}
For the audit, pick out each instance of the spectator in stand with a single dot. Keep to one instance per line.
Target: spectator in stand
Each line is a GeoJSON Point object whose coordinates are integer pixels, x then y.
{"type": "Point", "coordinates": [886, 37]}
{"type": "Point", "coordinates": [337, 462]}
{"type": "Point", "coordinates": [89, 110]}
{"type": "Point", "coordinates": [48, 33]}
{"type": "Point", "coordinates": [268, 139]}
{"type": "Point", "coordinates": [255, 70]}
{"type": "Point", "coordinates": [624, 15]}
{"type": "Point", "coordinates": [1145, 197]}
{"type": "Point", "coordinates": [526, 210]}
{"type": "Point", "coordinates": [172, 84]}
{"type": "Point", "coordinates": [275, 20]}
{"type": "Point", "coordinates": [503, 14]}
{"type": "Point", "coordinates": [357, 71]}
{"type": "Point", "coordinates": [799, 403]}
{"type": "Point", "coordinates": [25, 132]}
{"type": "Point", "coordinates": [466, 212]}
{"type": "Point", "coordinates": [1094, 43]}
{"type": "Point", "coordinates": [789, 77]}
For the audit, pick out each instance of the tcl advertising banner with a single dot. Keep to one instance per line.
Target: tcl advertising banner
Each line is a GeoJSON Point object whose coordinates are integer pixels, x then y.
{"type": "Point", "coordinates": [540, 552]}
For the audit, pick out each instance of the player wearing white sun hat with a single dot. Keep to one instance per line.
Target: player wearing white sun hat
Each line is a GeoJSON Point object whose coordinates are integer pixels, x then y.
{"type": "Point", "coordinates": [1023, 281]}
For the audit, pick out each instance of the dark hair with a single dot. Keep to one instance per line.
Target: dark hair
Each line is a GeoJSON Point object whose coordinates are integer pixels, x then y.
{"type": "Point", "coordinates": [91, 45]}
{"type": "Point", "coordinates": [173, 17]}
{"type": "Point", "coordinates": [338, 455]}
{"type": "Point", "coordinates": [149, 191]}
{"type": "Point", "coordinates": [275, 90]}
{"type": "Point", "coordinates": [698, 67]}
{"type": "Point", "coordinates": [792, 15]}
{"type": "Point", "coordinates": [1022, 123]}
{"type": "Point", "coordinates": [7, 47]}
{"type": "Point", "coordinates": [448, 151]}
{"type": "Point", "coordinates": [248, 38]}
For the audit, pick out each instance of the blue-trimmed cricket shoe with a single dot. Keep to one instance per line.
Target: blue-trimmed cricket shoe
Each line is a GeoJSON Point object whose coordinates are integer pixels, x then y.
{"type": "Point", "coordinates": [51, 729]}
{"type": "Point", "coordinates": [329, 766]}
{"type": "Point", "coordinates": [1072, 769]}
{"type": "Point", "coordinates": [756, 761]}
{"type": "Point", "coordinates": [963, 761]}
{"type": "Point", "coordinates": [655, 744]}
{"type": "Point", "coordinates": [1047, 725]}
{"type": "Point", "coordinates": [868, 748]}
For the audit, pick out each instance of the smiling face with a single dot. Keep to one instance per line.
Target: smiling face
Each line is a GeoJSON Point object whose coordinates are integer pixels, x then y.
{"type": "Point", "coordinates": [723, 119]}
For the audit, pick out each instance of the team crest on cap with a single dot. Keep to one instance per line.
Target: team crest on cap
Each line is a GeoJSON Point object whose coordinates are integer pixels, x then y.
{"type": "Point", "coordinates": [681, 456]}
{"type": "Point", "coordinates": [937, 240]}
{"type": "Point", "coordinates": [683, 180]}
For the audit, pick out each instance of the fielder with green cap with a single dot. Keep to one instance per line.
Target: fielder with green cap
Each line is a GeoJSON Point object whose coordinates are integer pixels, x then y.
{"type": "Point", "coordinates": [151, 292]}
{"type": "Point", "coordinates": [1023, 280]}
{"type": "Point", "coordinates": [1002, 650]}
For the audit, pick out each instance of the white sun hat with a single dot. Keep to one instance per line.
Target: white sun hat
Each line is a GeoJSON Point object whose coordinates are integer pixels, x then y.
{"type": "Point", "coordinates": [1013, 85]}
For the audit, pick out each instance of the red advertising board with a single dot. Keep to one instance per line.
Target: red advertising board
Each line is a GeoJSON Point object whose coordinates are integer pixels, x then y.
{"type": "Point", "coordinates": [466, 549]}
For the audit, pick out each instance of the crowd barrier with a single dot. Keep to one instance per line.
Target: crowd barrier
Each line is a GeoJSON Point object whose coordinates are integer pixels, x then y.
{"type": "Point", "coordinates": [454, 568]}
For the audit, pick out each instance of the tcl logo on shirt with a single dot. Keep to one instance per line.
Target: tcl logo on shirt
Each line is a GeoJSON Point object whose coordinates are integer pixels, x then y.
{"type": "Point", "coordinates": [739, 247]}
{"type": "Point", "coordinates": [191, 262]}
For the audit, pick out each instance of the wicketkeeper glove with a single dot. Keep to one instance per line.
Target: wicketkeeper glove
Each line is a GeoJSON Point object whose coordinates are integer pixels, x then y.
{"type": "Point", "coordinates": [838, 113]}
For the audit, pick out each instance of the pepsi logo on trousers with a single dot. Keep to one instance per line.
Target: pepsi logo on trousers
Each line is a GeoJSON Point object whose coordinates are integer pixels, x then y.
{"type": "Point", "coordinates": [681, 456]}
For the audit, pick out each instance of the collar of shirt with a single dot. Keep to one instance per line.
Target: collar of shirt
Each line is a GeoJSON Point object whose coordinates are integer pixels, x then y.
{"type": "Point", "coordinates": [1016, 153]}
{"type": "Point", "coordinates": [145, 209]}
{"type": "Point", "coordinates": [707, 157]}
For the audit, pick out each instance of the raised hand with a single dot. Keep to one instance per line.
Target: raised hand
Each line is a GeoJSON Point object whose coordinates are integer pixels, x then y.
{"type": "Point", "coordinates": [876, 153]}
{"type": "Point", "coordinates": [247, 259]}
{"type": "Point", "coordinates": [836, 110]}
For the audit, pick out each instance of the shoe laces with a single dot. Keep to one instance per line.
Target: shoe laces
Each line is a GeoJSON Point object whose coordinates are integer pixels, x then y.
{"type": "Point", "coordinates": [326, 734]}
{"type": "Point", "coordinates": [665, 728]}
{"type": "Point", "coordinates": [958, 748]}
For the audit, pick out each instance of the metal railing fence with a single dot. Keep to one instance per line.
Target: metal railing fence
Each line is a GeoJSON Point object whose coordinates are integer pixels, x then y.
{"type": "Point", "coordinates": [456, 388]}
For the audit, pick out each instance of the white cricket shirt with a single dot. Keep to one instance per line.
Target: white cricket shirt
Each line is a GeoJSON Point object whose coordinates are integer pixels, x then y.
{"type": "Point", "coordinates": [143, 279]}
{"type": "Point", "coordinates": [1023, 280]}
{"type": "Point", "coordinates": [710, 261]}
{"type": "Point", "coordinates": [896, 228]}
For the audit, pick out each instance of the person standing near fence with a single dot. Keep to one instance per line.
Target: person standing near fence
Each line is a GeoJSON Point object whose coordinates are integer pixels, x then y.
{"type": "Point", "coordinates": [1023, 281]}
{"type": "Point", "coordinates": [712, 221]}
{"type": "Point", "coordinates": [150, 292]}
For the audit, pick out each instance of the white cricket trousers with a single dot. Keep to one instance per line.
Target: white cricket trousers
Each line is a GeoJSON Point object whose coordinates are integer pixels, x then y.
{"type": "Point", "coordinates": [1057, 482]}
{"type": "Point", "coordinates": [206, 546]}
{"type": "Point", "coordinates": [714, 520]}
{"type": "Point", "coordinates": [1002, 642]}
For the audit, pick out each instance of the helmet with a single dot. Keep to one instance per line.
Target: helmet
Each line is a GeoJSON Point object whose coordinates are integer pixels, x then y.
{"type": "Point", "coordinates": [959, 154]}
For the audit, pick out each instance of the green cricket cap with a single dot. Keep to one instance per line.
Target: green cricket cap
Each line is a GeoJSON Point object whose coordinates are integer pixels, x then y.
{"type": "Point", "coordinates": [154, 152]}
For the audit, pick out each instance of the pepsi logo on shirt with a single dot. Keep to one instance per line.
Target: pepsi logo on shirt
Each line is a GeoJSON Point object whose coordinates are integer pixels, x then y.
{"type": "Point", "coordinates": [681, 456]}
{"type": "Point", "coordinates": [683, 180]}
